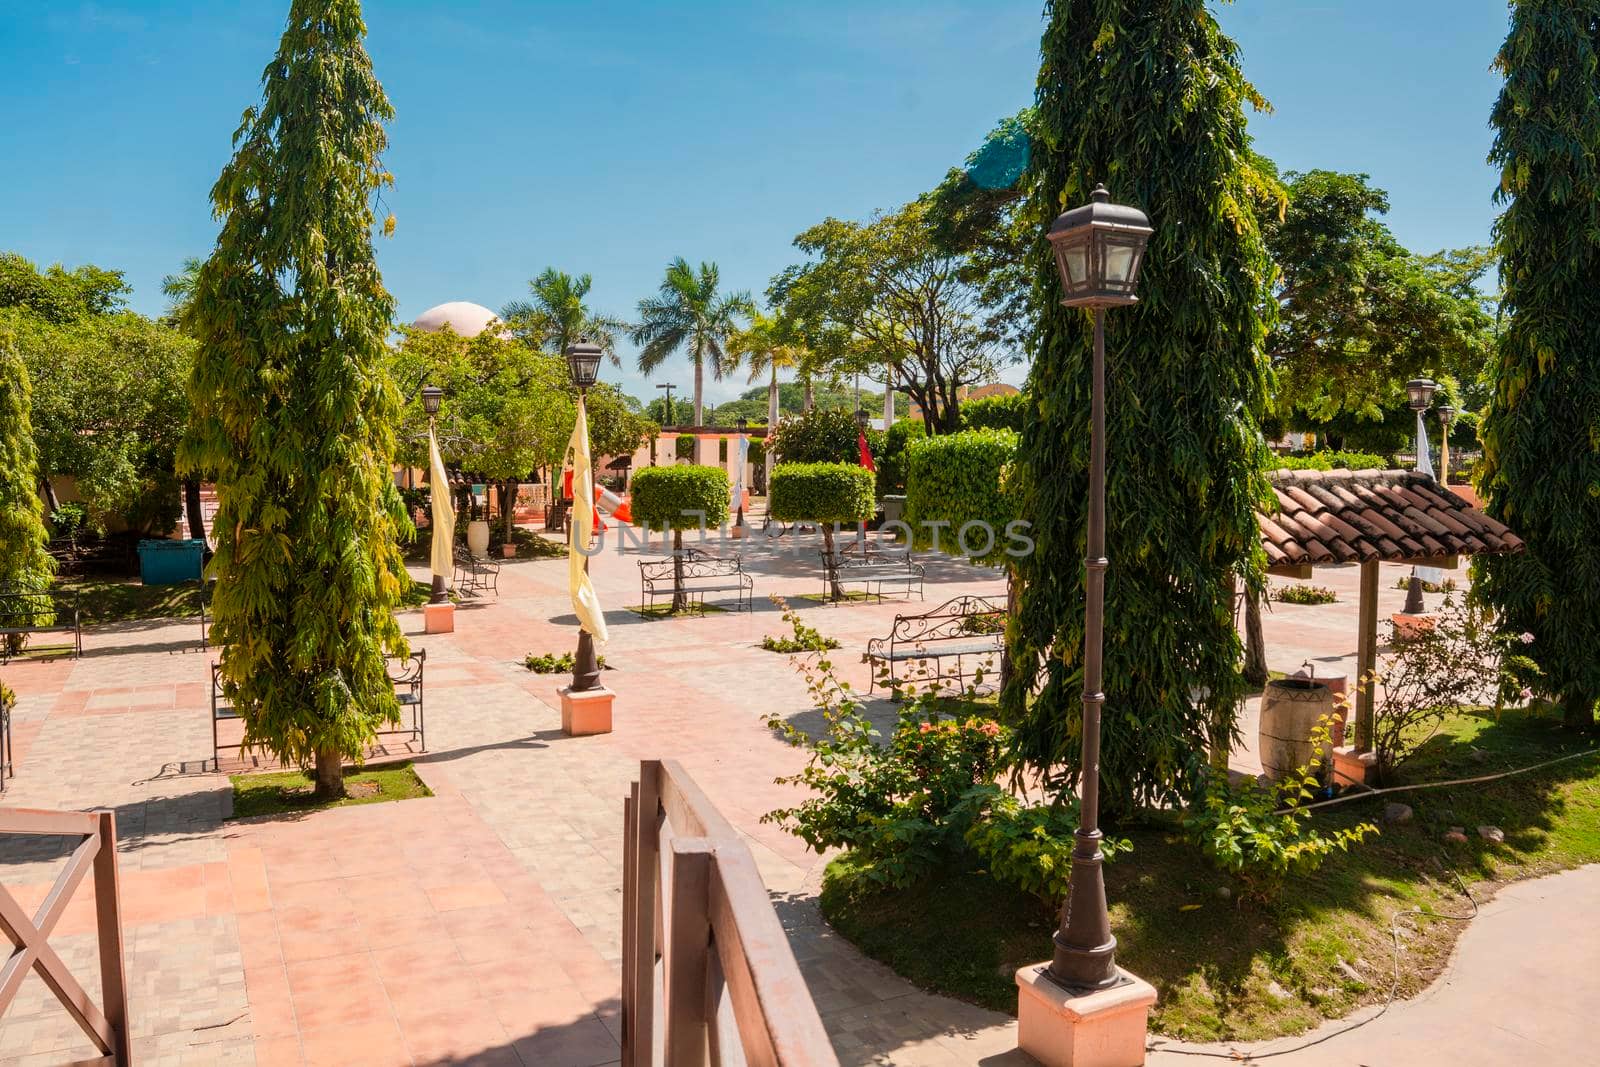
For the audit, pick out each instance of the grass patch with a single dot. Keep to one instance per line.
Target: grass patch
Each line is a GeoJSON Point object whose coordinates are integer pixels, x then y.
{"type": "Point", "coordinates": [287, 792]}
{"type": "Point", "coordinates": [664, 611]}
{"type": "Point", "coordinates": [849, 594]}
{"type": "Point", "coordinates": [101, 599]}
{"type": "Point", "coordinates": [1234, 971]}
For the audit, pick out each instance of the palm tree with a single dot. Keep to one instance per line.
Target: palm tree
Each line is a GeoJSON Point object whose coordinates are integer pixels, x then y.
{"type": "Point", "coordinates": [179, 288]}
{"type": "Point", "coordinates": [556, 314]}
{"type": "Point", "coordinates": [768, 346]}
{"type": "Point", "coordinates": [690, 314]}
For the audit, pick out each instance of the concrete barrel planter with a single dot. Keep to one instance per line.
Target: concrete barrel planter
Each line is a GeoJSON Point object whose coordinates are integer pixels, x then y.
{"type": "Point", "coordinates": [1290, 710]}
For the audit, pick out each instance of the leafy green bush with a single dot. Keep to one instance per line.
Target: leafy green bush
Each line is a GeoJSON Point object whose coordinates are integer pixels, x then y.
{"type": "Point", "coordinates": [817, 436]}
{"type": "Point", "coordinates": [1263, 834]}
{"type": "Point", "coordinates": [683, 447]}
{"type": "Point", "coordinates": [680, 498]}
{"type": "Point", "coordinates": [1305, 594]}
{"type": "Point", "coordinates": [1446, 586]}
{"type": "Point", "coordinates": [995, 413]}
{"type": "Point", "coordinates": [823, 493]}
{"type": "Point", "coordinates": [805, 639]}
{"type": "Point", "coordinates": [959, 479]}
{"type": "Point", "coordinates": [554, 662]}
{"type": "Point", "coordinates": [68, 519]}
{"type": "Point", "coordinates": [1324, 461]}
{"type": "Point", "coordinates": [1028, 846]}
{"type": "Point", "coordinates": [891, 459]}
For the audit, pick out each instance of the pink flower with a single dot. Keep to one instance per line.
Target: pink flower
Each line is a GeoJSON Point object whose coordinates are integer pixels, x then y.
{"type": "Point", "coordinates": [989, 729]}
{"type": "Point", "coordinates": [1527, 639]}
{"type": "Point", "coordinates": [925, 728]}
{"type": "Point", "coordinates": [1527, 694]}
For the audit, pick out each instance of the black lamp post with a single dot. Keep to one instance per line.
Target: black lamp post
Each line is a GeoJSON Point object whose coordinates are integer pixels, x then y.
{"type": "Point", "coordinates": [1419, 394]}
{"type": "Point", "coordinates": [1098, 249]}
{"type": "Point", "coordinates": [431, 396]}
{"type": "Point", "coordinates": [742, 424]}
{"type": "Point", "coordinates": [583, 362]}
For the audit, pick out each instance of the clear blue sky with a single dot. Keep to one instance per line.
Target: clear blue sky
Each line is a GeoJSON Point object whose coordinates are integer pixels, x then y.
{"type": "Point", "coordinates": [608, 137]}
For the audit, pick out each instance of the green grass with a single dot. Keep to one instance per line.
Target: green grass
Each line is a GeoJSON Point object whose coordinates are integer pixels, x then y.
{"type": "Point", "coordinates": [1215, 960]}
{"type": "Point", "coordinates": [102, 599]}
{"type": "Point", "coordinates": [288, 792]}
{"type": "Point", "coordinates": [664, 611]}
{"type": "Point", "coordinates": [849, 594]}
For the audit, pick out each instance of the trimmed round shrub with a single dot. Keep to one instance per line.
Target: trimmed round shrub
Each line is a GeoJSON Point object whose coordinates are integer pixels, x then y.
{"type": "Point", "coordinates": [817, 436]}
{"type": "Point", "coordinates": [823, 493]}
{"type": "Point", "coordinates": [958, 481]}
{"type": "Point", "coordinates": [995, 412]}
{"type": "Point", "coordinates": [680, 498]}
{"type": "Point", "coordinates": [683, 448]}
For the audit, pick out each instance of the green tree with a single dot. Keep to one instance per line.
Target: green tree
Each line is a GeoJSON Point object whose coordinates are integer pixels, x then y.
{"type": "Point", "coordinates": [59, 295]}
{"type": "Point", "coordinates": [679, 499]}
{"type": "Point", "coordinates": [293, 409]}
{"type": "Point", "coordinates": [883, 298]}
{"type": "Point", "coordinates": [821, 435]}
{"type": "Point", "coordinates": [179, 290]}
{"type": "Point", "coordinates": [556, 314]}
{"type": "Point", "coordinates": [24, 563]}
{"type": "Point", "coordinates": [1149, 100]}
{"type": "Point", "coordinates": [824, 493]}
{"type": "Point", "coordinates": [1359, 313]}
{"type": "Point", "coordinates": [690, 314]}
{"type": "Point", "coordinates": [768, 346]}
{"type": "Point", "coordinates": [1541, 444]}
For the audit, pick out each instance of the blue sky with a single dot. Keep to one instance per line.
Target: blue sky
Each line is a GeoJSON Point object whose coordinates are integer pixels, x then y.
{"type": "Point", "coordinates": [608, 137]}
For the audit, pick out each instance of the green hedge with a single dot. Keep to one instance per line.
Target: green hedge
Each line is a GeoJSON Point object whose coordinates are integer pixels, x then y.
{"type": "Point", "coordinates": [994, 413]}
{"type": "Point", "coordinates": [821, 492]}
{"type": "Point", "coordinates": [958, 479]}
{"type": "Point", "coordinates": [892, 459]}
{"type": "Point", "coordinates": [673, 498]}
{"type": "Point", "coordinates": [684, 448]}
{"type": "Point", "coordinates": [1327, 461]}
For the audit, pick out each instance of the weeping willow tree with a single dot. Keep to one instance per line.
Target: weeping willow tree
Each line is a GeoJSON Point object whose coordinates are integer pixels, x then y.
{"type": "Point", "coordinates": [1541, 433]}
{"type": "Point", "coordinates": [1148, 98]}
{"type": "Point", "coordinates": [293, 412]}
{"type": "Point", "coordinates": [24, 563]}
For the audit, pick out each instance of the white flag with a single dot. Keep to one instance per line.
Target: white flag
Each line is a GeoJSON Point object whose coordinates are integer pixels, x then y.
{"type": "Point", "coordinates": [585, 602]}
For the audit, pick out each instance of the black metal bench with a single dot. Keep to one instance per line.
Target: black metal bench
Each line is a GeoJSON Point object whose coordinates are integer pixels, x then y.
{"type": "Point", "coordinates": [959, 628]}
{"type": "Point", "coordinates": [25, 612]}
{"type": "Point", "coordinates": [405, 674]}
{"type": "Point", "coordinates": [475, 574]}
{"type": "Point", "coordinates": [865, 564]}
{"type": "Point", "coordinates": [701, 573]}
{"type": "Point", "coordinates": [8, 756]}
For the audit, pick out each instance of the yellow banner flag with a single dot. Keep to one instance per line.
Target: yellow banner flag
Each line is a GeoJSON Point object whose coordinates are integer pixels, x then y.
{"type": "Point", "coordinates": [444, 514]}
{"type": "Point", "coordinates": [585, 602]}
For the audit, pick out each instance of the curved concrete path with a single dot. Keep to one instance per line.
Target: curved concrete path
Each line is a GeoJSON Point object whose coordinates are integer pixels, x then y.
{"type": "Point", "coordinates": [1520, 989]}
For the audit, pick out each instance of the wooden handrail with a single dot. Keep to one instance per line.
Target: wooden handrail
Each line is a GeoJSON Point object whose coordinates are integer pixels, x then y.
{"type": "Point", "coordinates": [105, 1025]}
{"type": "Point", "coordinates": [701, 943]}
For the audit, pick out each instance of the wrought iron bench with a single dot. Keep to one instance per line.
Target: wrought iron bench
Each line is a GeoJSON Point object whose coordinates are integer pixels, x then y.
{"type": "Point", "coordinates": [865, 564]}
{"type": "Point", "coordinates": [25, 612]}
{"type": "Point", "coordinates": [474, 573]}
{"type": "Point", "coordinates": [959, 628]}
{"type": "Point", "coordinates": [702, 573]}
{"type": "Point", "coordinates": [405, 673]}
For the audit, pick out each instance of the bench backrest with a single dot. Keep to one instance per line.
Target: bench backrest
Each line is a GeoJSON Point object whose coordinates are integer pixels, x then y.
{"type": "Point", "coordinates": [404, 671]}
{"type": "Point", "coordinates": [22, 608]}
{"type": "Point", "coordinates": [963, 617]}
{"type": "Point", "coordinates": [696, 564]}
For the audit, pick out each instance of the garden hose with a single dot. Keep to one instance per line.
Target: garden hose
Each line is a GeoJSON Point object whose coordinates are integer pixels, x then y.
{"type": "Point", "coordinates": [1365, 792]}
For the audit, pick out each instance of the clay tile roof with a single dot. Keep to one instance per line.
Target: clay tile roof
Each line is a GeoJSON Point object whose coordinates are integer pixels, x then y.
{"type": "Point", "coordinates": [1340, 516]}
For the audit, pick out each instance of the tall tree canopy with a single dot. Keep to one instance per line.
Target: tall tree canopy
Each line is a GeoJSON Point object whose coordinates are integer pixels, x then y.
{"type": "Point", "coordinates": [1149, 99]}
{"type": "Point", "coordinates": [24, 563]}
{"type": "Point", "coordinates": [293, 409]}
{"type": "Point", "coordinates": [1541, 433]}
{"type": "Point", "coordinates": [557, 313]}
{"type": "Point", "coordinates": [692, 314]}
{"type": "Point", "coordinates": [1360, 313]}
{"type": "Point", "coordinates": [882, 297]}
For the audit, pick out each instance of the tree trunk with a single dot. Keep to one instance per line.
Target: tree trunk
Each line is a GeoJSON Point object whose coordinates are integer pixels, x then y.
{"type": "Point", "coordinates": [680, 599]}
{"type": "Point", "coordinates": [772, 424]}
{"type": "Point", "coordinates": [835, 590]}
{"type": "Point", "coordinates": [48, 491]}
{"type": "Point", "coordinates": [1577, 711]}
{"type": "Point", "coordinates": [1255, 644]}
{"type": "Point", "coordinates": [508, 504]}
{"type": "Point", "coordinates": [1013, 606]}
{"type": "Point", "coordinates": [330, 775]}
{"type": "Point", "coordinates": [699, 385]}
{"type": "Point", "coordinates": [809, 398]}
{"type": "Point", "coordinates": [191, 504]}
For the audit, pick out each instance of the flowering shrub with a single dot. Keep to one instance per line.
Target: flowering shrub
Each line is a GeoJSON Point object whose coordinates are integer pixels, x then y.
{"type": "Point", "coordinates": [1305, 594]}
{"type": "Point", "coordinates": [1028, 846]}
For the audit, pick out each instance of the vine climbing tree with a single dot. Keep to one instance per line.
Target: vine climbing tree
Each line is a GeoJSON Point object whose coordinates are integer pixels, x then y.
{"type": "Point", "coordinates": [24, 563]}
{"type": "Point", "coordinates": [1541, 433]}
{"type": "Point", "coordinates": [1149, 99]}
{"type": "Point", "coordinates": [293, 412]}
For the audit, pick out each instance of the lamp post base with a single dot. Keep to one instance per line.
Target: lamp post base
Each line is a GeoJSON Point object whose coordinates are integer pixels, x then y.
{"type": "Point", "coordinates": [1062, 1027]}
{"type": "Point", "coordinates": [586, 712]}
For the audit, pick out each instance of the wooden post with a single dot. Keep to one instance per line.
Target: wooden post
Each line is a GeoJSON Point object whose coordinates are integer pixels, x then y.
{"type": "Point", "coordinates": [108, 916]}
{"type": "Point", "coordinates": [1366, 654]}
{"type": "Point", "coordinates": [640, 969]}
{"type": "Point", "coordinates": [688, 935]}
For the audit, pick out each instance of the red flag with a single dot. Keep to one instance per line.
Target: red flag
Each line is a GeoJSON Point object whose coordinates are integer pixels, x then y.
{"type": "Point", "coordinates": [866, 453]}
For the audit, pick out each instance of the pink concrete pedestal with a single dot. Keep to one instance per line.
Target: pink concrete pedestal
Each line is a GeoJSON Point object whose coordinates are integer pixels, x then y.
{"type": "Point", "coordinates": [1354, 768]}
{"type": "Point", "coordinates": [439, 618]}
{"type": "Point", "coordinates": [1060, 1028]}
{"type": "Point", "coordinates": [588, 712]}
{"type": "Point", "coordinates": [1411, 627]}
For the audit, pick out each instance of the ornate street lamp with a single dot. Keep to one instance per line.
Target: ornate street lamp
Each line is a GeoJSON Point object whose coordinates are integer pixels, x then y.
{"type": "Point", "coordinates": [1099, 248]}
{"type": "Point", "coordinates": [431, 395]}
{"type": "Point", "coordinates": [583, 362]}
{"type": "Point", "coordinates": [1419, 394]}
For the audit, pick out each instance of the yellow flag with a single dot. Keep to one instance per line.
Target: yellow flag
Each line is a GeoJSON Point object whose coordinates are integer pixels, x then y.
{"type": "Point", "coordinates": [585, 602]}
{"type": "Point", "coordinates": [444, 513]}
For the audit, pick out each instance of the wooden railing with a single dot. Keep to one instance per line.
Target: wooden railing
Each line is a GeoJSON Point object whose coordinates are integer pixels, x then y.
{"type": "Point", "coordinates": [702, 950]}
{"type": "Point", "coordinates": [106, 1026]}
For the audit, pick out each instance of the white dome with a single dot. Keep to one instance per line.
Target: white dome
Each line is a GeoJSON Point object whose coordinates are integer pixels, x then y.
{"type": "Point", "coordinates": [462, 316]}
